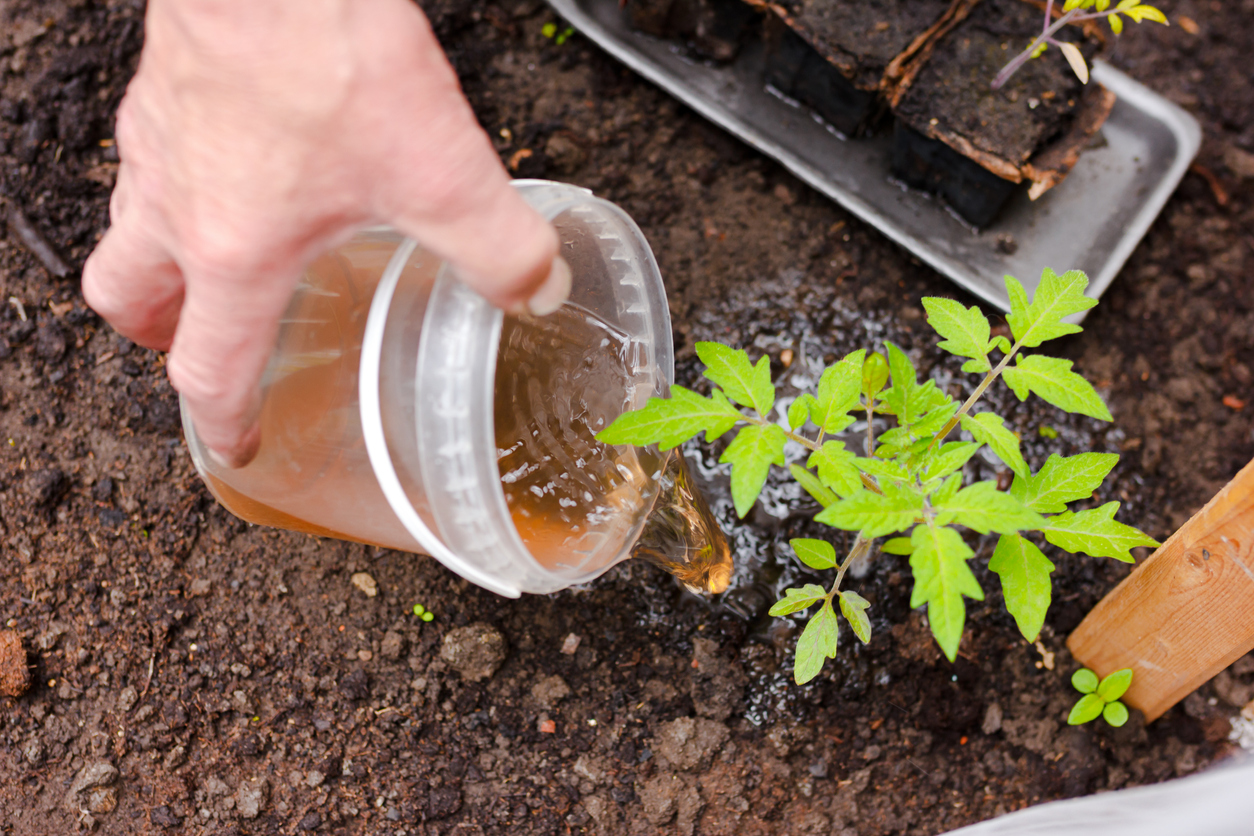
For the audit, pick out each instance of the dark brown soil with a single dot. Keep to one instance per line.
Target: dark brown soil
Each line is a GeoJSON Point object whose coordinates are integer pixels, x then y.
{"type": "Point", "coordinates": [193, 674]}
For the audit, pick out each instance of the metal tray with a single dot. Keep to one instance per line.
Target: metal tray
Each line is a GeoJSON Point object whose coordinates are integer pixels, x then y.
{"type": "Point", "coordinates": [1091, 222]}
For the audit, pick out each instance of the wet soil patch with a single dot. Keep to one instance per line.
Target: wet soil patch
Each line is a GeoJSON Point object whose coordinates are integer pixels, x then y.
{"type": "Point", "coordinates": [193, 674]}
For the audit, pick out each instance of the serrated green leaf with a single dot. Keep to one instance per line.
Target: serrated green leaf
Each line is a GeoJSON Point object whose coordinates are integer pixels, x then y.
{"type": "Point", "coordinates": [1055, 297]}
{"type": "Point", "coordinates": [874, 375]}
{"type": "Point", "coordinates": [853, 606]}
{"type": "Point", "coordinates": [799, 411]}
{"type": "Point", "coordinates": [816, 644]}
{"type": "Point", "coordinates": [1089, 707]}
{"type": "Point", "coordinates": [937, 416]}
{"type": "Point", "coordinates": [836, 467]}
{"type": "Point", "coordinates": [745, 383]}
{"type": "Point", "coordinates": [817, 554]}
{"type": "Point", "coordinates": [1001, 344]}
{"type": "Point", "coordinates": [1051, 378]}
{"type": "Point", "coordinates": [751, 454]}
{"type": "Point", "coordinates": [1095, 533]}
{"type": "Point", "coordinates": [904, 379]}
{"type": "Point", "coordinates": [1024, 573]}
{"type": "Point", "coordinates": [1115, 713]}
{"type": "Point", "coordinates": [807, 480]}
{"type": "Point", "coordinates": [950, 457]}
{"type": "Point", "coordinates": [883, 469]}
{"type": "Point", "coordinates": [1115, 685]}
{"type": "Point", "coordinates": [990, 429]}
{"type": "Point", "coordinates": [983, 508]}
{"type": "Point", "coordinates": [941, 578]}
{"type": "Point", "coordinates": [1063, 479]}
{"type": "Point", "coordinates": [839, 387]}
{"type": "Point", "coordinates": [966, 331]}
{"type": "Point", "coordinates": [947, 490]}
{"type": "Point", "coordinates": [798, 598]}
{"type": "Point", "coordinates": [1084, 681]}
{"type": "Point", "coordinates": [897, 545]}
{"type": "Point", "coordinates": [669, 422]}
{"type": "Point", "coordinates": [874, 514]}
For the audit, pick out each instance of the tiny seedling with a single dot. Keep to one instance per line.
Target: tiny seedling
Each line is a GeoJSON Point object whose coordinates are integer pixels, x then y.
{"type": "Point", "coordinates": [550, 31]}
{"type": "Point", "coordinates": [423, 613]}
{"type": "Point", "coordinates": [1101, 698]}
{"type": "Point", "coordinates": [910, 480]}
{"type": "Point", "coordinates": [1077, 11]}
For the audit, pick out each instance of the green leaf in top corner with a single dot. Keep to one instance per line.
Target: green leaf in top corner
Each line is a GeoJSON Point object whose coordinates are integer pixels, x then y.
{"type": "Point", "coordinates": [745, 383]}
{"type": "Point", "coordinates": [989, 428]}
{"type": "Point", "coordinates": [799, 411]}
{"type": "Point", "coordinates": [839, 387]}
{"type": "Point", "coordinates": [1056, 297]}
{"type": "Point", "coordinates": [981, 507]}
{"type": "Point", "coordinates": [1087, 708]}
{"type": "Point", "coordinates": [751, 454]}
{"type": "Point", "coordinates": [816, 645]}
{"type": "Point", "coordinates": [798, 598]}
{"type": "Point", "coordinates": [817, 554]}
{"type": "Point", "coordinates": [1084, 681]}
{"type": "Point", "coordinates": [822, 494]}
{"type": "Point", "coordinates": [668, 422]}
{"type": "Point", "coordinates": [897, 545]}
{"type": "Point", "coordinates": [950, 457]}
{"type": "Point", "coordinates": [966, 331]}
{"type": "Point", "coordinates": [1024, 572]}
{"type": "Point", "coordinates": [1115, 685]}
{"type": "Point", "coordinates": [1095, 533]}
{"type": "Point", "coordinates": [941, 578]}
{"type": "Point", "coordinates": [874, 375]}
{"type": "Point", "coordinates": [1051, 378]}
{"type": "Point", "coordinates": [1063, 479]}
{"type": "Point", "coordinates": [836, 468]}
{"type": "Point", "coordinates": [874, 514]}
{"type": "Point", "coordinates": [1115, 713]}
{"type": "Point", "coordinates": [853, 606]}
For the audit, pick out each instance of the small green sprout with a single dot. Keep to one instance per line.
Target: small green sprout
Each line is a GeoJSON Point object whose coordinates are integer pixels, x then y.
{"type": "Point", "coordinates": [549, 30]}
{"type": "Point", "coordinates": [1101, 698]}
{"type": "Point", "coordinates": [422, 612]}
{"type": "Point", "coordinates": [1047, 431]}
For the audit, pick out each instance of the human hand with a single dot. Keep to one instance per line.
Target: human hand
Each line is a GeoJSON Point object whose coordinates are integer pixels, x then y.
{"type": "Point", "coordinates": [253, 137]}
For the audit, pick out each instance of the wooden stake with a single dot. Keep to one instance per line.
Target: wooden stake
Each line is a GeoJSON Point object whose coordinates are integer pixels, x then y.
{"type": "Point", "coordinates": [1184, 614]}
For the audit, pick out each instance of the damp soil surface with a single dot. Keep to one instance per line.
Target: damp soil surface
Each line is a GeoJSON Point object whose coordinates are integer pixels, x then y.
{"type": "Point", "coordinates": [193, 674]}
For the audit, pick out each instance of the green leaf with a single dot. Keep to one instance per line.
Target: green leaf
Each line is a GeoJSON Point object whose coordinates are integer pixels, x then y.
{"type": "Point", "coordinates": [744, 383]}
{"type": "Point", "coordinates": [882, 469]}
{"type": "Point", "coordinates": [966, 331]}
{"type": "Point", "coordinates": [874, 514]}
{"type": "Point", "coordinates": [1115, 685]}
{"type": "Point", "coordinates": [905, 381]}
{"type": "Point", "coordinates": [874, 375]}
{"type": "Point", "coordinates": [799, 411]}
{"type": "Point", "coordinates": [854, 607]}
{"type": "Point", "coordinates": [1084, 681]}
{"type": "Point", "coordinates": [1024, 573]}
{"type": "Point", "coordinates": [897, 545]}
{"type": "Point", "coordinates": [941, 578]}
{"type": "Point", "coordinates": [950, 457]}
{"type": "Point", "coordinates": [1051, 378]}
{"type": "Point", "coordinates": [669, 422]}
{"type": "Point", "coordinates": [947, 490]}
{"type": "Point", "coordinates": [836, 467]}
{"type": "Point", "coordinates": [1115, 713]}
{"type": "Point", "coordinates": [1055, 297]}
{"type": "Point", "coordinates": [751, 455]}
{"type": "Point", "coordinates": [817, 554]}
{"type": "Point", "coordinates": [1089, 707]}
{"type": "Point", "coordinates": [816, 645]}
{"type": "Point", "coordinates": [936, 417]}
{"type": "Point", "coordinates": [821, 493]}
{"type": "Point", "coordinates": [999, 342]}
{"type": "Point", "coordinates": [983, 508]}
{"type": "Point", "coordinates": [1095, 533]}
{"type": "Point", "coordinates": [839, 386]}
{"type": "Point", "coordinates": [990, 429]}
{"type": "Point", "coordinates": [1063, 479]}
{"type": "Point", "coordinates": [798, 598]}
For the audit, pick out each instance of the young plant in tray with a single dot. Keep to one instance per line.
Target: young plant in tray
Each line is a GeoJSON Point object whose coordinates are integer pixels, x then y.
{"type": "Point", "coordinates": [909, 482]}
{"type": "Point", "coordinates": [1078, 11]}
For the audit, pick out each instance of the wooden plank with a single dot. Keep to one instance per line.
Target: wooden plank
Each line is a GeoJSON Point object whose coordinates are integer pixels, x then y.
{"type": "Point", "coordinates": [1184, 614]}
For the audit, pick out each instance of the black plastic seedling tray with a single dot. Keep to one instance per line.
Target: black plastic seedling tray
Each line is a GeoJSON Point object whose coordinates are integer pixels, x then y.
{"type": "Point", "coordinates": [1091, 221]}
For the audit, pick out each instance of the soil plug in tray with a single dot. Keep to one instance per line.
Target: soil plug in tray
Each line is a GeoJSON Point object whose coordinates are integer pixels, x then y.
{"type": "Point", "coordinates": [1091, 221]}
{"type": "Point", "coordinates": [972, 145]}
{"type": "Point", "coordinates": [839, 57]}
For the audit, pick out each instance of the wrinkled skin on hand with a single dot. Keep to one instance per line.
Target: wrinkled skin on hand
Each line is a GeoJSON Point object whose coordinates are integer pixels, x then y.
{"type": "Point", "coordinates": [256, 135]}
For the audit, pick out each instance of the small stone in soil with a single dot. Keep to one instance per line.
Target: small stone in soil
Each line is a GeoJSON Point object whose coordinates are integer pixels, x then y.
{"type": "Point", "coordinates": [550, 690]}
{"type": "Point", "coordinates": [570, 644]}
{"type": "Point", "coordinates": [366, 583]}
{"type": "Point", "coordinates": [250, 798]}
{"type": "Point", "coordinates": [475, 651]}
{"type": "Point", "coordinates": [14, 674]}
{"type": "Point", "coordinates": [690, 743]}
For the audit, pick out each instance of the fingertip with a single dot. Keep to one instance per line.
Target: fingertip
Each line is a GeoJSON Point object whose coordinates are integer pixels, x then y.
{"type": "Point", "coordinates": [239, 454]}
{"type": "Point", "coordinates": [554, 291]}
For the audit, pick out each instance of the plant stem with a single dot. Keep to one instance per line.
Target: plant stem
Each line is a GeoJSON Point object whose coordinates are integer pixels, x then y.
{"type": "Point", "coordinates": [975, 396]}
{"type": "Point", "coordinates": [1023, 57]}
{"type": "Point", "coordinates": [870, 431]}
{"type": "Point", "coordinates": [859, 549]}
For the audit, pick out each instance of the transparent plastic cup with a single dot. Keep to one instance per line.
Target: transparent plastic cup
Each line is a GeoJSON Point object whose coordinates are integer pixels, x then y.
{"type": "Point", "coordinates": [377, 406]}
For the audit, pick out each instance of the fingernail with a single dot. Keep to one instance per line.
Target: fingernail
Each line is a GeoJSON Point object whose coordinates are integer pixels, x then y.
{"type": "Point", "coordinates": [243, 453]}
{"type": "Point", "coordinates": [554, 291]}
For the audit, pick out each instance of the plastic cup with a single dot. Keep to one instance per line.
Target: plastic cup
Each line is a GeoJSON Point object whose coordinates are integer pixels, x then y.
{"type": "Point", "coordinates": [377, 404]}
